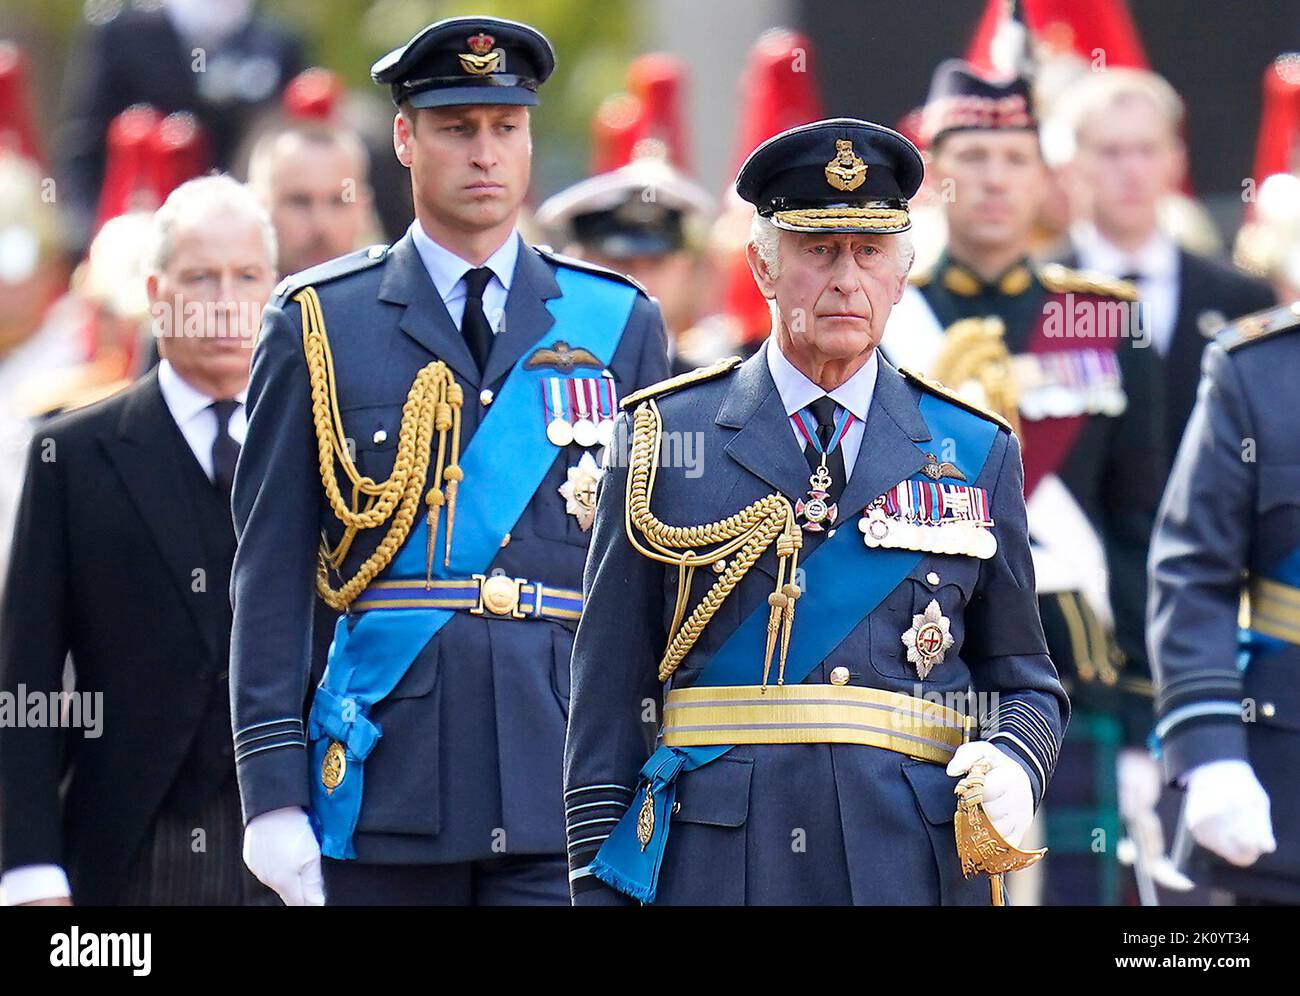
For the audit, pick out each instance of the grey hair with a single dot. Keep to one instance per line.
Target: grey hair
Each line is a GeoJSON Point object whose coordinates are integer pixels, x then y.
{"type": "Point", "coordinates": [765, 237]}
{"type": "Point", "coordinates": [200, 195]}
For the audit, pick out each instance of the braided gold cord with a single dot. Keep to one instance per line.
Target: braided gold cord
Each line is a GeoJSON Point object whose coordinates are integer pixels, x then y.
{"type": "Point", "coordinates": [747, 534]}
{"type": "Point", "coordinates": [885, 219]}
{"type": "Point", "coordinates": [432, 404]}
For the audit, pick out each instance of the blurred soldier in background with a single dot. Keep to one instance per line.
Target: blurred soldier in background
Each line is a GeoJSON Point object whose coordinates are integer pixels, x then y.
{"type": "Point", "coordinates": [218, 59]}
{"type": "Point", "coordinates": [40, 330]}
{"type": "Point", "coordinates": [1086, 399]}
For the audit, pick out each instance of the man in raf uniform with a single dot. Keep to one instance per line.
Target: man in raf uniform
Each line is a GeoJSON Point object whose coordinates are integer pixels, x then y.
{"type": "Point", "coordinates": [820, 602]}
{"type": "Point", "coordinates": [420, 455]}
{"type": "Point", "coordinates": [1054, 351]}
{"type": "Point", "coordinates": [1227, 700]}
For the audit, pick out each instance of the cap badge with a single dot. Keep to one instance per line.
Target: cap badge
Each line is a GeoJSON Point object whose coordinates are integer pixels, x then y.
{"type": "Point", "coordinates": [846, 171]}
{"type": "Point", "coordinates": [480, 60]}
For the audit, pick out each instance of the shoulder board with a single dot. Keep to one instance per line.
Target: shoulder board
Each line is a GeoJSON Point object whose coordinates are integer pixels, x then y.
{"type": "Point", "coordinates": [681, 380]}
{"type": "Point", "coordinates": [921, 277]}
{"type": "Point", "coordinates": [1062, 280]}
{"type": "Point", "coordinates": [937, 389]}
{"type": "Point", "coordinates": [332, 269]}
{"type": "Point", "coordinates": [1261, 325]}
{"type": "Point", "coordinates": [573, 263]}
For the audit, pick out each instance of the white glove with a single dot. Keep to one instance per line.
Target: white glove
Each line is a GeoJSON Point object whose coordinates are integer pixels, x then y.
{"type": "Point", "coordinates": [1008, 794]}
{"type": "Point", "coordinates": [1138, 781]}
{"type": "Point", "coordinates": [1227, 811]}
{"type": "Point", "coordinates": [281, 850]}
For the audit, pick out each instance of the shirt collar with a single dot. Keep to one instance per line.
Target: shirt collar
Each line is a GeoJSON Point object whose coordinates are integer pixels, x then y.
{"type": "Point", "coordinates": [183, 399]}
{"type": "Point", "coordinates": [1156, 259]}
{"type": "Point", "coordinates": [798, 392]}
{"type": "Point", "coordinates": [446, 269]}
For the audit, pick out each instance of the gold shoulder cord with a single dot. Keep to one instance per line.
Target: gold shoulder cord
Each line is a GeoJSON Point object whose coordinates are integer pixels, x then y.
{"type": "Point", "coordinates": [432, 405]}
{"type": "Point", "coordinates": [747, 534]}
{"type": "Point", "coordinates": [976, 349]}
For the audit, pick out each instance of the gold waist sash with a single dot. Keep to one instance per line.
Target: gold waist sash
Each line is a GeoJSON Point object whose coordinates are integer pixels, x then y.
{"type": "Point", "coordinates": [1275, 609]}
{"type": "Point", "coordinates": [813, 714]}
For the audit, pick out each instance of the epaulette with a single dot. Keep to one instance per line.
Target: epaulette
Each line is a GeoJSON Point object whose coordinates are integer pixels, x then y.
{"type": "Point", "coordinates": [573, 263]}
{"type": "Point", "coordinates": [331, 269]}
{"type": "Point", "coordinates": [921, 277]}
{"type": "Point", "coordinates": [938, 390]}
{"type": "Point", "coordinates": [1062, 280]}
{"type": "Point", "coordinates": [681, 380]}
{"type": "Point", "coordinates": [1258, 326]}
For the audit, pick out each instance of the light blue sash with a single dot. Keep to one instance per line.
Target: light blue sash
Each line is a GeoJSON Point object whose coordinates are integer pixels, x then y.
{"type": "Point", "coordinates": [504, 464]}
{"type": "Point", "coordinates": [828, 611]}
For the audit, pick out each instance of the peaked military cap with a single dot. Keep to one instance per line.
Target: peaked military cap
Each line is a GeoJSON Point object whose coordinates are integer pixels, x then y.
{"type": "Point", "coordinates": [837, 175]}
{"type": "Point", "coordinates": [468, 60]}
{"type": "Point", "coordinates": [961, 99]}
{"type": "Point", "coordinates": [645, 208]}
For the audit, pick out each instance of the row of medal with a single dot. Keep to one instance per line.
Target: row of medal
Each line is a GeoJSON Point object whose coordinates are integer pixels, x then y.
{"type": "Point", "coordinates": [931, 517]}
{"type": "Point", "coordinates": [579, 410]}
{"type": "Point", "coordinates": [1069, 382]}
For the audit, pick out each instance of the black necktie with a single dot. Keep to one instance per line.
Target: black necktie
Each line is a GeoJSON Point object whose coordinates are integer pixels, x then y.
{"type": "Point", "coordinates": [225, 451]}
{"type": "Point", "coordinates": [824, 410]}
{"type": "Point", "coordinates": [474, 324]}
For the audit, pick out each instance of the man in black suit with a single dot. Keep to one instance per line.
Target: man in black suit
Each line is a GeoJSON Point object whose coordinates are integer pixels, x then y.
{"type": "Point", "coordinates": [121, 569]}
{"type": "Point", "coordinates": [220, 61]}
{"type": "Point", "coordinates": [1129, 157]}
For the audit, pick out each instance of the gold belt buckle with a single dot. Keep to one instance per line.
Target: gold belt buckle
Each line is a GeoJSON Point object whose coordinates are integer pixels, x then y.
{"type": "Point", "coordinates": [499, 595]}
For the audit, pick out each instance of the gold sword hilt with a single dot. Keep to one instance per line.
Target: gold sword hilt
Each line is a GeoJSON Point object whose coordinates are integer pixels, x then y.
{"type": "Point", "coordinates": [980, 847]}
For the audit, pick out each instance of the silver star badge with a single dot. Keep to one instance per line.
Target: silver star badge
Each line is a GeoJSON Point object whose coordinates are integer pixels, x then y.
{"type": "Point", "coordinates": [579, 491]}
{"type": "Point", "coordinates": [928, 639]}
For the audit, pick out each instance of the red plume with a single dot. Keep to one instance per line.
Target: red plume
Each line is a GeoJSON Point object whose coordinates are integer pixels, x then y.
{"type": "Point", "coordinates": [1078, 26]}
{"type": "Point", "coordinates": [17, 130]}
{"type": "Point", "coordinates": [313, 95]}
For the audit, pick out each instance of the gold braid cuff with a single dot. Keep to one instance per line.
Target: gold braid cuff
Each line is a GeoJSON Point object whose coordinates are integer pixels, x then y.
{"type": "Point", "coordinates": [883, 220]}
{"type": "Point", "coordinates": [743, 537]}
{"type": "Point", "coordinates": [432, 405]}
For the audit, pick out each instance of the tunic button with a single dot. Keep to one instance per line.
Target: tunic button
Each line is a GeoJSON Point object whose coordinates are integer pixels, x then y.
{"type": "Point", "coordinates": [932, 578]}
{"type": "Point", "coordinates": [379, 436]}
{"type": "Point", "coordinates": [839, 676]}
{"type": "Point", "coordinates": [485, 397]}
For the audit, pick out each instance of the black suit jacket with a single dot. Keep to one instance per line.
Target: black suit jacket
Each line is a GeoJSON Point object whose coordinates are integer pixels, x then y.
{"type": "Point", "coordinates": [1209, 293]}
{"type": "Point", "coordinates": [109, 564]}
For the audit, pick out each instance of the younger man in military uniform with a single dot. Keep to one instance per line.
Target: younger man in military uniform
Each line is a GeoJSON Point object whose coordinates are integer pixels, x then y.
{"type": "Point", "coordinates": [819, 602]}
{"type": "Point", "coordinates": [1053, 350]}
{"type": "Point", "coordinates": [420, 454]}
{"type": "Point", "coordinates": [1227, 700]}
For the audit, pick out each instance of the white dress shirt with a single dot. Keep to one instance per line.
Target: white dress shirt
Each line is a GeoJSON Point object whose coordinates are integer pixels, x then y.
{"type": "Point", "coordinates": [192, 412]}
{"type": "Point", "coordinates": [447, 271]}
{"type": "Point", "coordinates": [191, 409]}
{"type": "Point", "coordinates": [1156, 266]}
{"type": "Point", "coordinates": [798, 392]}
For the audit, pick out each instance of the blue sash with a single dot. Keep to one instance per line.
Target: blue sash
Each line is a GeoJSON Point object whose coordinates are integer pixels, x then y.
{"type": "Point", "coordinates": [828, 611]}
{"type": "Point", "coordinates": [504, 464]}
{"type": "Point", "coordinates": [1252, 645]}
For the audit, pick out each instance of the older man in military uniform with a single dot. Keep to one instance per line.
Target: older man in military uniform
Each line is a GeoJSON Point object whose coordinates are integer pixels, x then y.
{"type": "Point", "coordinates": [1227, 699]}
{"type": "Point", "coordinates": [819, 602]}
{"type": "Point", "coordinates": [1061, 355]}
{"type": "Point", "coordinates": [420, 454]}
